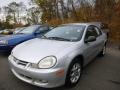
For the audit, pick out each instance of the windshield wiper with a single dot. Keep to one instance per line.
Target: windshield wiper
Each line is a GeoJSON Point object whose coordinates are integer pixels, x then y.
{"type": "Point", "coordinates": [58, 38]}
{"type": "Point", "coordinates": [44, 37]}
{"type": "Point", "coordinates": [19, 33]}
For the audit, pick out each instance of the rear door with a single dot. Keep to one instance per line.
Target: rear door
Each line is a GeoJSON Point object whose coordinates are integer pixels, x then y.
{"type": "Point", "coordinates": [100, 39]}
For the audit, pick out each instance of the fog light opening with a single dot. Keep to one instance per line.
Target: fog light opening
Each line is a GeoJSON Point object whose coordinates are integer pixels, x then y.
{"type": "Point", "coordinates": [41, 81]}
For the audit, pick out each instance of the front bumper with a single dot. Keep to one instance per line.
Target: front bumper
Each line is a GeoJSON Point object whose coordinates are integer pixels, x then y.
{"type": "Point", "coordinates": [6, 48]}
{"type": "Point", "coordinates": [46, 78]}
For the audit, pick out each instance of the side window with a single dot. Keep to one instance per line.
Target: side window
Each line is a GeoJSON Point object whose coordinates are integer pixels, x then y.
{"type": "Point", "coordinates": [43, 30]}
{"type": "Point", "coordinates": [98, 31]}
{"type": "Point", "coordinates": [91, 31]}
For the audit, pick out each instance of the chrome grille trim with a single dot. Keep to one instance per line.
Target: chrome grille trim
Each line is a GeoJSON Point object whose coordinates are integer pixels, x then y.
{"type": "Point", "coordinates": [20, 62]}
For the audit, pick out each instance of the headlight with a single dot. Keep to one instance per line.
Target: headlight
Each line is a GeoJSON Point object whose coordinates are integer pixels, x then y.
{"type": "Point", "coordinates": [4, 42]}
{"type": "Point", "coordinates": [47, 62]}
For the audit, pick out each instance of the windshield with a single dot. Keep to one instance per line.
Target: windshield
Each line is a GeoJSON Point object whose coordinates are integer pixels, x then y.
{"type": "Point", "coordinates": [66, 33]}
{"type": "Point", "coordinates": [28, 30]}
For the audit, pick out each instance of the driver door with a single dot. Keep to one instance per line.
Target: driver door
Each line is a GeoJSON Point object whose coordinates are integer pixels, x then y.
{"type": "Point", "coordinates": [90, 47]}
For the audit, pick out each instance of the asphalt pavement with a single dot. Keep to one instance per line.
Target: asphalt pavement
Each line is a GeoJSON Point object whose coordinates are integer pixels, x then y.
{"type": "Point", "coordinates": [103, 73]}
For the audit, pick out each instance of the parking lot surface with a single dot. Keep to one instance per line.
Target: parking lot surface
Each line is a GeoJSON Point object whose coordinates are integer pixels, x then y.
{"type": "Point", "coordinates": [103, 73]}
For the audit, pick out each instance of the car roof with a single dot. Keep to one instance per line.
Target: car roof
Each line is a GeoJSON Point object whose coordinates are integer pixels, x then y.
{"type": "Point", "coordinates": [38, 25]}
{"type": "Point", "coordinates": [85, 24]}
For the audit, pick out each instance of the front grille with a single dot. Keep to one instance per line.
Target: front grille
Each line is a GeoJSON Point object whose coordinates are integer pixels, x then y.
{"type": "Point", "coordinates": [20, 62]}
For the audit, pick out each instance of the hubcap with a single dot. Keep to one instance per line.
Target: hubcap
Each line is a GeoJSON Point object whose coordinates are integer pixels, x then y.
{"type": "Point", "coordinates": [75, 73]}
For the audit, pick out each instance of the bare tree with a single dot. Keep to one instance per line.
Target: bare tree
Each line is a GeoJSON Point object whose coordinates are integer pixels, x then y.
{"type": "Point", "coordinates": [104, 8]}
{"type": "Point", "coordinates": [5, 11]}
{"type": "Point", "coordinates": [34, 15]}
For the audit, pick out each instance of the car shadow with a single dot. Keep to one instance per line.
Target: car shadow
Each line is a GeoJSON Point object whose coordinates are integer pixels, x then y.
{"type": "Point", "coordinates": [4, 54]}
{"type": "Point", "coordinates": [32, 87]}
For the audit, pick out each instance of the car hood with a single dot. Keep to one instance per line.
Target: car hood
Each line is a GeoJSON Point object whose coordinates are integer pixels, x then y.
{"type": "Point", "coordinates": [35, 50]}
{"type": "Point", "coordinates": [11, 37]}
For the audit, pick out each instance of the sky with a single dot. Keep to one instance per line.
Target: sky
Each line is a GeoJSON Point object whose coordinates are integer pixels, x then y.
{"type": "Point", "coordinates": [6, 2]}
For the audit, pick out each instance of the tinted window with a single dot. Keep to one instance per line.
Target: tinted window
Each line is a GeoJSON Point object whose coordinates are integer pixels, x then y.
{"type": "Point", "coordinates": [43, 29]}
{"type": "Point", "coordinates": [98, 31]}
{"type": "Point", "coordinates": [91, 31]}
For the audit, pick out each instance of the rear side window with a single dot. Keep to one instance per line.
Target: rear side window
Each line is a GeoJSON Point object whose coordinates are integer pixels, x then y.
{"type": "Point", "coordinates": [98, 31]}
{"type": "Point", "coordinates": [43, 29]}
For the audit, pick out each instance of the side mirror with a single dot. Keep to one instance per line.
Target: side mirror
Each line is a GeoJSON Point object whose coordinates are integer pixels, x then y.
{"type": "Point", "coordinates": [90, 39]}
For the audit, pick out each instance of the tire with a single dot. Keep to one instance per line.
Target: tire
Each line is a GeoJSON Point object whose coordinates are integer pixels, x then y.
{"type": "Point", "coordinates": [102, 53]}
{"type": "Point", "coordinates": [74, 68]}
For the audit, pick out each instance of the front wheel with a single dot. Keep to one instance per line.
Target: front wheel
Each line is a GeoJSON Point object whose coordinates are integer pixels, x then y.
{"type": "Point", "coordinates": [74, 73]}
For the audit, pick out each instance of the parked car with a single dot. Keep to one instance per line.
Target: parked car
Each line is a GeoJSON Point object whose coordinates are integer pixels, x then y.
{"type": "Point", "coordinates": [1, 33]}
{"type": "Point", "coordinates": [17, 30]}
{"type": "Point", "coordinates": [6, 32]}
{"type": "Point", "coordinates": [7, 43]}
{"type": "Point", "coordinates": [102, 26]}
{"type": "Point", "coordinates": [59, 56]}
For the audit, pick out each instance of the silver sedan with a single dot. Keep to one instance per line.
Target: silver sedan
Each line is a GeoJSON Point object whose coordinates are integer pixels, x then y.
{"type": "Point", "coordinates": [59, 56]}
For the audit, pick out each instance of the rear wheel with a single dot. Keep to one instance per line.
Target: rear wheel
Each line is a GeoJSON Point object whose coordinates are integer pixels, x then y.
{"type": "Point", "coordinates": [102, 53]}
{"type": "Point", "coordinates": [74, 73]}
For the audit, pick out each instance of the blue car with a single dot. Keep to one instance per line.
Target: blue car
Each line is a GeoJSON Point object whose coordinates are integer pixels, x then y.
{"type": "Point", "coordinates": [7, 43]}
